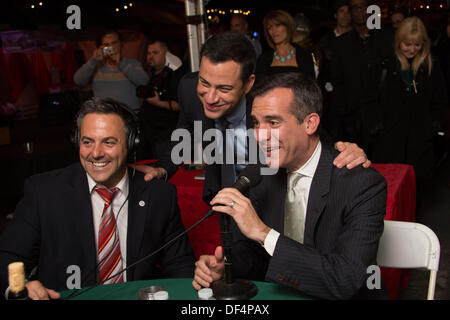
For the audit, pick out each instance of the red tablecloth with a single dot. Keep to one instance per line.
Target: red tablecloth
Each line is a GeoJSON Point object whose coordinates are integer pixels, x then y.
{"type": "Point", "coordinates": [206, 236]}
{"type": "Point", "coordinates": [401, 204]}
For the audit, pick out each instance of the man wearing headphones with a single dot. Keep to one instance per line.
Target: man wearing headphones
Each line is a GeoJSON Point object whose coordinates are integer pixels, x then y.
{"type": "Point", "coordinates": [97, 216]}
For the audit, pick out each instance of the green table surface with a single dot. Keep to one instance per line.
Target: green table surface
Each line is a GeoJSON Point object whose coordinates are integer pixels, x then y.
{"type": "Point", "coordinates": [178, 289]}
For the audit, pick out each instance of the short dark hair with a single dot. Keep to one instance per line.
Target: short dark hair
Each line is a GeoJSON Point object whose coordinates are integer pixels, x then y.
{"type": "Point", "coordinates": [108, 106]}
{"type": "Point", "coordinates": [338, 4]}
{"type": "Point", "coordinates": [231, 45]}
{"type": "Point", "coordinates": [240, 16]}
{"type": "Point", "coordinates": [307, 94]}
{"type": "Point", "coordinates": [162, 43]}
{"type": "Point", "coordinates": [100, 37]}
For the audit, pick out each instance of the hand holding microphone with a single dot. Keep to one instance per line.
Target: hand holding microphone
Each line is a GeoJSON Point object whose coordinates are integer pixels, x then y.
{"type": "Point", "coordinates": [230, 201]}
{"type": "Point", "coordinates": [210, 268]}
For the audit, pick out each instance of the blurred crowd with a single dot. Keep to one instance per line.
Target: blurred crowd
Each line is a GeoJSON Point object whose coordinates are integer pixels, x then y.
{"type": "Point", "coordinates": [385, 89]}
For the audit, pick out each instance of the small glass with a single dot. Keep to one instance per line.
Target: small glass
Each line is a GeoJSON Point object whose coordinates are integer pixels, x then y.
{"type": "Point", "coordinates": [148, 292]}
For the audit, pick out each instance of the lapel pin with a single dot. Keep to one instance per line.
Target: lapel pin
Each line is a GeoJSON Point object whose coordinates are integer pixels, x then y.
{"type": "Point", "coordinates": [141, 203]}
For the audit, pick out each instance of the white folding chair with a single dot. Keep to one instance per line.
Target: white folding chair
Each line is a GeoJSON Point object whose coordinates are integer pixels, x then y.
{"type": "Point", "coordinates": [410, 245]}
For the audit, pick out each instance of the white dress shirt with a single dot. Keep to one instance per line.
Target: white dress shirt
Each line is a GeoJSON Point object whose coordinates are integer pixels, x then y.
{"type": "Point", "coordinates": [307, 171]}
{"type": "Point", "coordinates": [120, 209]}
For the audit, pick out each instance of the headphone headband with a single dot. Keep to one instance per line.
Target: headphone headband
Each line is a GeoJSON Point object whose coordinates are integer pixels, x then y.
{"type": "Point", "coordinates": [129, 117]}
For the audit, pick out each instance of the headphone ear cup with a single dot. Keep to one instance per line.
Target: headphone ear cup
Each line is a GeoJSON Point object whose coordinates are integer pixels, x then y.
{"type": "Point", "coordinates": [137, 138]}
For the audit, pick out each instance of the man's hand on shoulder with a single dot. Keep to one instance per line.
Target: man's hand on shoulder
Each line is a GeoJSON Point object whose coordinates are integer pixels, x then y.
{"type": "Point", "coordinates": [151, 172]}
{"type": "Point", "coordinates": [350, 155]}
{"type": "Point", "coordinates": [36, 291]}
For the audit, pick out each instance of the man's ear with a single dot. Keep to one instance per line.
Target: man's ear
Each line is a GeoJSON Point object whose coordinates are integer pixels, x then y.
{"type": "Point", "coordinates": [249, 83]}
{"type": "Point", "coordinates": [312, 122]}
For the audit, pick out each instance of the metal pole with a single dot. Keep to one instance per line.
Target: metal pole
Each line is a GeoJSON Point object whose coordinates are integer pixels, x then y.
{"type": "Point", "coordinates": [192, 35]}
{"type": "Point", "coordinates": [201, 30]}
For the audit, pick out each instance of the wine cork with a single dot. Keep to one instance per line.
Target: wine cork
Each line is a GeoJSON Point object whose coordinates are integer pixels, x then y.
{"type": "Point", "coordinates": [16, 276]}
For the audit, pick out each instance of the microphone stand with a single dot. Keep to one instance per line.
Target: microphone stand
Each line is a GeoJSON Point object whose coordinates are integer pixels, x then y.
{"type": "Point", "coordinates": [229, 288]}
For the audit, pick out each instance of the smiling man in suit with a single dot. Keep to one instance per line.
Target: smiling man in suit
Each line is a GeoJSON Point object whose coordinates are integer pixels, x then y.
{"type": "Point", "coordinates": [311, 226]}
{"type": "Point", "coordinates": [216, 97]}
{"type": "Point", "coordinates": [98, 215]}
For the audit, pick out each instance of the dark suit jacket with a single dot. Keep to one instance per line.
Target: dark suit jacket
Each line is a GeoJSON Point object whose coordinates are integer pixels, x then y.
{"type": "Point", "coordinates": [191, 109]}
{"type": "Point", "coordinates": [53, 229]}
{"type": "Point", "coordinates": [344, 222]}
{"type": "Point", "coordinates": [356, 73]}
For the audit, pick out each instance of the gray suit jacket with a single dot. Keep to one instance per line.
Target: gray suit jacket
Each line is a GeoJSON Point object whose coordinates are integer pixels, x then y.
{"type": "Point", "coordinates": [344, 222]}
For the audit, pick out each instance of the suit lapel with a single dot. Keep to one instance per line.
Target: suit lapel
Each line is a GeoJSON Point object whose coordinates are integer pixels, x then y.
{"type": "Point", "coordinates": [138, 208]}
{"type": "Point", "coordinates": [320, 187]}
{"type": "Point", "coordinates": [81, 206]}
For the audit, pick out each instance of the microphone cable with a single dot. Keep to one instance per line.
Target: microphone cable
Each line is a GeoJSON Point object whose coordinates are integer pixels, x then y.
{"type": "Point", "coordinates": [243, 183]}
{"type": "Point", "coordinates": [76, 293]}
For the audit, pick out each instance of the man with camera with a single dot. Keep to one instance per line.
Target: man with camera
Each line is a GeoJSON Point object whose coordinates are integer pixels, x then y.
{"type": "Point", "coordinates": [160, 110]}
{"type": "Point", "coordinates": [111, 74]}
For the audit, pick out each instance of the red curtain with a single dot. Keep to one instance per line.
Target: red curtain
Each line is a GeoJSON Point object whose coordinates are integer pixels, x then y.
{"type": "Point", "coordinates": [41, 76]}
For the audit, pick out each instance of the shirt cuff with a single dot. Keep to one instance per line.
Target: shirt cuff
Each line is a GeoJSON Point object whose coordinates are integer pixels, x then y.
{"type": "Point", "coordinates": [271, 241]}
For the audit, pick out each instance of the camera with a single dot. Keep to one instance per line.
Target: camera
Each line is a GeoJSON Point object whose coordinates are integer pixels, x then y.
{"type": "Point", "coordinates": [108, 50]}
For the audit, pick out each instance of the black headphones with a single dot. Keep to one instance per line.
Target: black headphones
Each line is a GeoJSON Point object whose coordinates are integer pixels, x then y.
{"type": "Point", "coordinates": [131, 123]}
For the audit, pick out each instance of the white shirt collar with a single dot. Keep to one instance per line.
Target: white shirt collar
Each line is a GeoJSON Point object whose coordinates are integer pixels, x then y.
{"type": "Point", "coordinates": [122, 185]}
{"type": "Point", "coordinates": [309, 168]}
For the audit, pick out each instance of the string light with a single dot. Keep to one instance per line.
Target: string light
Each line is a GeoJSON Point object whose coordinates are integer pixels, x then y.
{"type": "Point", "coordinates": [232, 11]}
{"type": "Point", "coordinates": [40, 3]}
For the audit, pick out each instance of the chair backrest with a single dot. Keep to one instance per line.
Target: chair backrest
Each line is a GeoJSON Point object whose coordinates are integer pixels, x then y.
{"type": "Point", "coordinates": [410, 245]}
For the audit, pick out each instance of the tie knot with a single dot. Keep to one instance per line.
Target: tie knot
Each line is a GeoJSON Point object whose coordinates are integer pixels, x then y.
{"type": "Point", "coordinates": [293, 178]}
{"type": "Point", "coordinates": [224, 124]}
{"type": "Point", "coordinates": [107, 194]}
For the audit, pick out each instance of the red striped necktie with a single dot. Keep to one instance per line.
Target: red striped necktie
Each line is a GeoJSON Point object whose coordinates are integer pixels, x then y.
{"type": "Point", "coordinates": [109, 256]}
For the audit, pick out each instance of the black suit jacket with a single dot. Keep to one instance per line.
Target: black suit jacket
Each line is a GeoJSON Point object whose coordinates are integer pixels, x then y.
{"type": "Point", "coordinates": [53, 229]}
{"type": "Point", "coordinates": [356, 74]}
{"type": "Point", "coordinates": [344, 222]}
{"type": "Point", "coordinates": [191, 109]}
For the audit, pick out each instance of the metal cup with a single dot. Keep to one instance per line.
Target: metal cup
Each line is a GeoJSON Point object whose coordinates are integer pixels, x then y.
{"type": "Point", "coordinates": [148, 292]}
